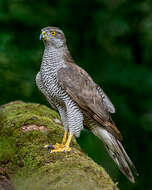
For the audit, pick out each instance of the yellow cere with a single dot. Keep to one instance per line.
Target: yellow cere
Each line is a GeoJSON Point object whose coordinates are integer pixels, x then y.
{"type": "Point", "coordinates": [53, 33]}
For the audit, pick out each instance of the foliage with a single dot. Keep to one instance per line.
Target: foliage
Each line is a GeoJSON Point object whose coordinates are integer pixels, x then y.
{"type": "Point", "coordinates": [112, 40]}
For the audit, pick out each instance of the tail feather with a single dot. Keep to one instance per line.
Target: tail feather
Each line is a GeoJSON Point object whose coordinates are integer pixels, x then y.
{"type": "Point", "coordinates": [127, 158]}
{"type": "Point", "coordinates": [116, 151]}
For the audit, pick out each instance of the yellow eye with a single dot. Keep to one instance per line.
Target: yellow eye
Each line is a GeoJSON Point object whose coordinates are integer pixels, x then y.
{"type": "Point", "coordinates": [53, 33]}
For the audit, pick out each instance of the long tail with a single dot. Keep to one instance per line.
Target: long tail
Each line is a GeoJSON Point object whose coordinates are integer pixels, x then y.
{"type": "Point", "coordinates": [116, 151]}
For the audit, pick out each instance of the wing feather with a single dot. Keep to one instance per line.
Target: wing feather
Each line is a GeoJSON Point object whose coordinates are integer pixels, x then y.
{"type": "Point", "coordinates": [106, 100]}
{"type": "Point", "coordinates": [82, 89]}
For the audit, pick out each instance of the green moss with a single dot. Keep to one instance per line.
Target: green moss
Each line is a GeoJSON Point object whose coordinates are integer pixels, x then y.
{"type": "Point", "coordinates": [16, 144]}
{"type": "Point", "coordinates": [19, 113]}
{"type": "Point", "coordinates": [7, 149]}
{"type": "Point", "coordinates": [32, 167]}
{"type": "Point", "coordinates": [66, 171]}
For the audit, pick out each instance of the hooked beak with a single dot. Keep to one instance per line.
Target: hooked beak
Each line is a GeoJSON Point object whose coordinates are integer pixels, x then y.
{"type": "Point", "coordinates": [42, 35]}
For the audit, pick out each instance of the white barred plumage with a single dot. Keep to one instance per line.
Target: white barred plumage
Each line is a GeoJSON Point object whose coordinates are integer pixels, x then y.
{"type": "Point", "coordinates": [56, 95]}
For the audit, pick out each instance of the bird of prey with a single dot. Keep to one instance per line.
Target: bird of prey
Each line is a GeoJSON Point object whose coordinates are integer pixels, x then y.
{"type": "Point", "coordinates": [79, 100]}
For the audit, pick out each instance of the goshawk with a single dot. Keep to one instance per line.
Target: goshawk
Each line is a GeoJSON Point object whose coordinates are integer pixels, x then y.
{"type": "Point", "coordinates": [78, 99]}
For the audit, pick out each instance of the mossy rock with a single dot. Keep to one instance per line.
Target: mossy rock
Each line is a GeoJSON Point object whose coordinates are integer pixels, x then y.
{"type": "Point", "coordinates": [24, 130]}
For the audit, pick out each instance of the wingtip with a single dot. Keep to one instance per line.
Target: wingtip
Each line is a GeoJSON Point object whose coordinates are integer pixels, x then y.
{"type": "Point", "coordinates": [131, 179]}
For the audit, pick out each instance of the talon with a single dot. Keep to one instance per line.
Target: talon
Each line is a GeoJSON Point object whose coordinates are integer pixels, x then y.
{"type": "Point", "coordinates": [46, 146]}
{"type": "Point", "coordinates": [64, 147]}
{"type": "Point", "coordinates": [50, 146]}
{"type": "Point", "coordinates": [55, 148]}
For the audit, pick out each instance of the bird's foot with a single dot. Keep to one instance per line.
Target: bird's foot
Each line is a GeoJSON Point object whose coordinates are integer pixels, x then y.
{"type": "Point", "coordinates": [56, 146]}
{"type": "Point", "coordinates": [64, 147]}
{"type": "Point", "coordinates": [61, 149]}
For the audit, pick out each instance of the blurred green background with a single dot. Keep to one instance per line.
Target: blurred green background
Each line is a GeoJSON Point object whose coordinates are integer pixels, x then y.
{"type": "Point", "coordinates": [112, 40]}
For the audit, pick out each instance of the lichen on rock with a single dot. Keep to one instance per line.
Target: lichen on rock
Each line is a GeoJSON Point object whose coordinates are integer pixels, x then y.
{"type": "Point", "coordinates": [24, 130]}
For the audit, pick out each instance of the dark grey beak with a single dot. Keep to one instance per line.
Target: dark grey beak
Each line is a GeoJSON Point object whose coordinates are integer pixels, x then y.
{"type": "Point", "coordinates": [41, 36]}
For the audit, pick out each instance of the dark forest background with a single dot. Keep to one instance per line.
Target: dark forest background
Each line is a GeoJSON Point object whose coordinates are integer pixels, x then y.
{"type": "Point", "coordinates": [112, 40]}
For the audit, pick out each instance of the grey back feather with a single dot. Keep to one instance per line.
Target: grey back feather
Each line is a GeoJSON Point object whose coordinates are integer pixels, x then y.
{"type": "Point", "coordinates": [106, 101]}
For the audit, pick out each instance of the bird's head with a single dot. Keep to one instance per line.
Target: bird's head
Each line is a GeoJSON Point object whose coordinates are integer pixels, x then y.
{"type": "Point", "coordinates": [53, 36]}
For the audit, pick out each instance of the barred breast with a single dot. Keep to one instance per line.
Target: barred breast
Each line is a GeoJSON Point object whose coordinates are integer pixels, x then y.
{"type": "Point", "coordinates": [52, 61]}
{"type": "Point", "coordinates": [48, 73]}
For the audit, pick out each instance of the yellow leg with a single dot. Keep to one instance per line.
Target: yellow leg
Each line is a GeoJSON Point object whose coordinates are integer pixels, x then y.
{"type": "Point", "coordinates": [69, 140]}
{"type": "Point", "coordinates": [66, 147]}
{"type": "Point", "coordinates": [64, 137]}
{"type": "Point", "coordinates": [57, 145]}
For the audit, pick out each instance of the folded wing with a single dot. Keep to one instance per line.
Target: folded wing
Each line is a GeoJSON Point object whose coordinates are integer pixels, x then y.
{"type": "Point", "coordinates": [81, 88]}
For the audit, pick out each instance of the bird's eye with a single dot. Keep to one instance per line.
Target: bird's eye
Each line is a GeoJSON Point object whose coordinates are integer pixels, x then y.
{"type": "Point", "coordinates": [53, 33]}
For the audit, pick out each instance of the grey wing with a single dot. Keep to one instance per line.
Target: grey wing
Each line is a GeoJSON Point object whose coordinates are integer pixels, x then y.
{"type": "Point", "coordinates": [106, 101]}
{"type": "Point", "coordinates": [43, 90]}
{"type": "Point", "coordinates": [81, 88]}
